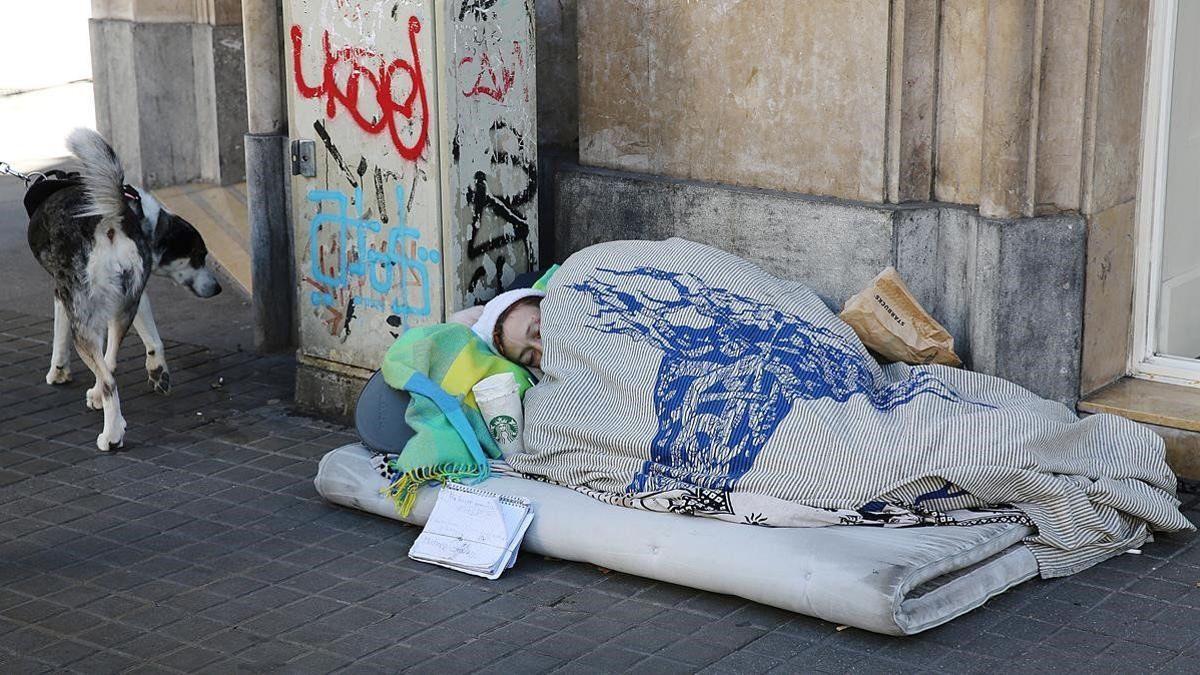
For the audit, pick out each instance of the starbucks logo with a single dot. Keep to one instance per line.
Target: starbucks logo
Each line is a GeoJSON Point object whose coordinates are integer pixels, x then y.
{"type": "Point", "coordinates": [503, 428]}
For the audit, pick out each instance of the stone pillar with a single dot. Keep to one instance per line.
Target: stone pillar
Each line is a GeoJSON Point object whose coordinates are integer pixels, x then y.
{"type": "Point", "coordinates": [170, 88]}
{"type": "Point", "coordinates": [1112, 147]}
{"type": "Point", "coordinates": [265, 109]}
{"type": "Point", "coordinates": [912, 87]}
{"type": "Point", "coordinates": [273, 291]}
{"type": "Point", "coordinates": [1010, 107]}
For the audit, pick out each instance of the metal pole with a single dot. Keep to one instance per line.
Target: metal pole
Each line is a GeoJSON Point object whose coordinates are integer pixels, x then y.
{"type": "Point", "coordinates": [273, 279]}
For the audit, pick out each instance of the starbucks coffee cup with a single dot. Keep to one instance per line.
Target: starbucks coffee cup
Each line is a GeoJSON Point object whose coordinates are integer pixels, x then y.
{"type": "Point", "coordinates": [499, 402]}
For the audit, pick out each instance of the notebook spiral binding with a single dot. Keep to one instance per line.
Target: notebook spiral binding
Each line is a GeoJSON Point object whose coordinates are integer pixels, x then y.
{"type": "Point", "coordinates": [519, 502]}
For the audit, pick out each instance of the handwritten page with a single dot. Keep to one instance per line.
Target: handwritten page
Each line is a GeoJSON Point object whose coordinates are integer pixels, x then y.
{"type": "Point", "coordinates": [472, 531]}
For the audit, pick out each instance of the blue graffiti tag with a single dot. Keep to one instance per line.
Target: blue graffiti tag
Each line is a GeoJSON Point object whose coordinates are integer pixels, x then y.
{"type": "Point", "coordinates": [381, 268]}
{"type": "Point", "coordinates": [732, 368]}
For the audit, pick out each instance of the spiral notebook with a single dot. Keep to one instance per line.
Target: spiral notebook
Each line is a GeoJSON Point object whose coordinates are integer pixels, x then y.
{"type": "Point", "coordinates": [473, 531]}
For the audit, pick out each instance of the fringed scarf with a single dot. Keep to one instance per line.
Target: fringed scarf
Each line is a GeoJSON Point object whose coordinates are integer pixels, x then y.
{"type": "Point", "coordinates": [438, 365]}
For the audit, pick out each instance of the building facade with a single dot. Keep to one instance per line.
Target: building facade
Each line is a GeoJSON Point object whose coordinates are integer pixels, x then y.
{"type": "Point", "coordinates": [992, 150]}
{"type": "Point", "coordinates": [989, 150]}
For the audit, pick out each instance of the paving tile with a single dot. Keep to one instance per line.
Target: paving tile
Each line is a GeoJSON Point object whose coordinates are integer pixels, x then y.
{"type": "Point", "coordinates": [188, 659]}
{"type": "Point", "coordinates": [1122, 654]}
{"type": "Point", "coordinates": [230, 641]}
{"type": "Point", "coordinates": [825, 659]}
{"type": "Point", "coordinates": [609, 658]}
{"type": "Point", "coordinates": [1075, 640]}
{"type": "Point", "coordinates": [519, 633]}
{"type": "Point", "coordinates": [639, 639]}
{"type": "Point", "coordinates": [106, 662]}
{"type": "Point", "coordinates": [63, 652]}
{"type": "Point", "coordinates": [525, 661]}
{"type": "Point", "coordinates": [744, 662]}
{"type": "Point", "coordinates": [564, 646]}
{"type": "Point", "coordinates": [34, 611]}
{"type": "Point", "coordinates": [698, 653]}
{"type": "Point", "coordinates": [148, 646]}
{"type": "Point", "coordinates": [661, 666]}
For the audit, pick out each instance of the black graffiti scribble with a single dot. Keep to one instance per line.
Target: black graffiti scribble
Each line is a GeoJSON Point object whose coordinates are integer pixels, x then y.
{"type": "Point", "coordinates": [380, 200]}
{"type": "Point", "coordinates": [334, 152]}
{"type": "Point", "coordinates": [508, 208]}
{"type": "Point", "coordinates": [349, 317]}
{"type": "Point", "coordinates": [479, 8]}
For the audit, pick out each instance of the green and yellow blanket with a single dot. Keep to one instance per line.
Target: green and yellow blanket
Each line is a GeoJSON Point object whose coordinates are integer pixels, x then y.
{"type": "Point", "coordinates": [437, 365]}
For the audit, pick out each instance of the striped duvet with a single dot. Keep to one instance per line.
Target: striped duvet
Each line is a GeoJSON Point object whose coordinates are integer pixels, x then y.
{"type": "Point", "coordinates": [682, 378]}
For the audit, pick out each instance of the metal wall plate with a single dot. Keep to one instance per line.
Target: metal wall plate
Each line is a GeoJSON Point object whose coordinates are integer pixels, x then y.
{"type": "Point", "coordinates": [304, 158]}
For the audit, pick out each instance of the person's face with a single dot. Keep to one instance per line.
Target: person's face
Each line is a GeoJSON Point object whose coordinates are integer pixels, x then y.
{"type": "Point", "coordinates": [521, 335]}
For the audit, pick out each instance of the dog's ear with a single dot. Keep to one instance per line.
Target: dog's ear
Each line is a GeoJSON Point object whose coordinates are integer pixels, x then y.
{"type": "Point", "coordinates": [178, 239]}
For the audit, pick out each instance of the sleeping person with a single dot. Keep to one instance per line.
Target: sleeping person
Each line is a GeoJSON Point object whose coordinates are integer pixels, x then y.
{"type": "Point", "coordinates": [438, 365]}
{"type": "Point", "coordinates": [676, 377]}
{"type": "Point", "coordinates": [681, 378]}
{"type": "Point", "coordinates": [510, 323]}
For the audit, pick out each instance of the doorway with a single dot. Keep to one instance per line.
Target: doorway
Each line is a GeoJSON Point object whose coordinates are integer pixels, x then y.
{"type": "Point", "coordinates": [1167, 305]}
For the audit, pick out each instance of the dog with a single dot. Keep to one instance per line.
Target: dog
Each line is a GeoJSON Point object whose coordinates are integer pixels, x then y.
{"type": "Point", "coordinates": [100, 240]}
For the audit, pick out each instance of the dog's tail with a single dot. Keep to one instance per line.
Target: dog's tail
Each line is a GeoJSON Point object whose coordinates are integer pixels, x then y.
{"type": "Point", "coordinates": [103, 177]}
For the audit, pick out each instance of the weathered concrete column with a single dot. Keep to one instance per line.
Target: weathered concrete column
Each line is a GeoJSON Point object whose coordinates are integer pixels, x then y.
{"type": "Point", "coordinates": [273, 288]}
{"type": "Point", "coordinates": [169, 88]}
{"type": "Point", "coordinates": [264, 71]}
{"type": "Point", "coordinates": [1009, 131]}
{"type": "Point", "coordinates": [912, 83]}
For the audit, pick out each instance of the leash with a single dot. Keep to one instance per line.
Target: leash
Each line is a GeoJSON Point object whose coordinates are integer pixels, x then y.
{"type": "Point", "coordinates": [32, 176]}
{"type": "Point", "coordinates": [54, 179]}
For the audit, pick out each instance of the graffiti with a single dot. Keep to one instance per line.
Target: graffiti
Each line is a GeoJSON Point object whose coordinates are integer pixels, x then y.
{"type": "Point", "coordinates": [380, 202]}
{"type": "Point", "coordinates": [356, 264]}
{"type": "Point", "coordinates": [493, 146]}
{"type": "Point", "coordinates": [334, 153]}
{"type": "Point", "coordinates": [376, 74]}
{"type": "Point", "coordinates": [479, 8]}
{"type": "Point", "coordinates": [487, 207]}
{"type": "Point", "coordinates": [488, 82]}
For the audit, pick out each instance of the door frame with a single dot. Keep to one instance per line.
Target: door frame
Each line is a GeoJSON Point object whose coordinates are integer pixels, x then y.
{"type": "Point", "coordinates": [1143, 361]}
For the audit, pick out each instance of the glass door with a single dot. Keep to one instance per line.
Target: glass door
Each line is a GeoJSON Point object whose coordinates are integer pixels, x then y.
{"type": "Point", "coordinates": [1167, 339]}
{"type": "Point", "coordinates": [1178, 321]}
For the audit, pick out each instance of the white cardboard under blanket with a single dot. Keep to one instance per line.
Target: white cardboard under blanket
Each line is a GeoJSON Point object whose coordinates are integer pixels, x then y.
{"type": "Point", "coordinates": [894, 581]}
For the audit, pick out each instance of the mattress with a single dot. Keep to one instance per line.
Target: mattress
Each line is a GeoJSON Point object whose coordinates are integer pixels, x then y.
{"type": "Point", "coordinates": [891, 581]}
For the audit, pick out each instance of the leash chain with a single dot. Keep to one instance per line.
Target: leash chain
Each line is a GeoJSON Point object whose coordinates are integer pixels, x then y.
{"type": "Point", "coordinates": [6, 169]}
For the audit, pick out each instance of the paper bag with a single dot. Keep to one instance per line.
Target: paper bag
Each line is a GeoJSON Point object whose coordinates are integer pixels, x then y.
{"type": "Point", "coordinates": [891, 323]}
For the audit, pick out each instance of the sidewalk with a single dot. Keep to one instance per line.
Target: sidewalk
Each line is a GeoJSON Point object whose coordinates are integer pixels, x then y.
{"type": "Point", "coordinates": [202, 546]}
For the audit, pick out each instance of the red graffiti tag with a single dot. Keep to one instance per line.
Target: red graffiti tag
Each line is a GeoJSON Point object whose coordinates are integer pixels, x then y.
{"type": "Point", "coordinates": [378, 72]}
{"type": "Point", "coordinates": [487, 83]}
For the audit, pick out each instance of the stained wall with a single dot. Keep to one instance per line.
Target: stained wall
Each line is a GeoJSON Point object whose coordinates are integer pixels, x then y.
{"type": "Point", "coordinates": [1020, 108]}
{"type": "Point", "coordinates": [772, 93]}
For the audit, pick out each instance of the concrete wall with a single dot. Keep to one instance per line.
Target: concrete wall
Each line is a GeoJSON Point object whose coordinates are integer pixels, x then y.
{"type": "Point", "coordinates": [1113, 125]}
{"type": "Point", "coordinates": [850, 98]}
{"type": "Point", "coordinates": [774, 94]}
{"type": "Point", "coordinates": [1022, 109]}
{"type": "Point", "coordinates": [1009, 291]}
{"type": "Point", "coordinates": [962, 56]}
{"type": "Point", "coordinates": [170, 88]}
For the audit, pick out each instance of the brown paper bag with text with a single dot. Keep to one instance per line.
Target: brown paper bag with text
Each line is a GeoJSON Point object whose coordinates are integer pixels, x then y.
{"type": "Point", "coordinates": [891, 323]}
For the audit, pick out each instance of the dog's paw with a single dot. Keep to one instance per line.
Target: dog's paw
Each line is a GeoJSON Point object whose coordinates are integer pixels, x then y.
{"type": "Point", "coordinates": [93, 399]}
{"type": "Point", "coordinates": [160, 379]}
{"type": "Point", "coordinates": [111, 439]}
{"type": "Point", "coordinates": [58, 375]}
